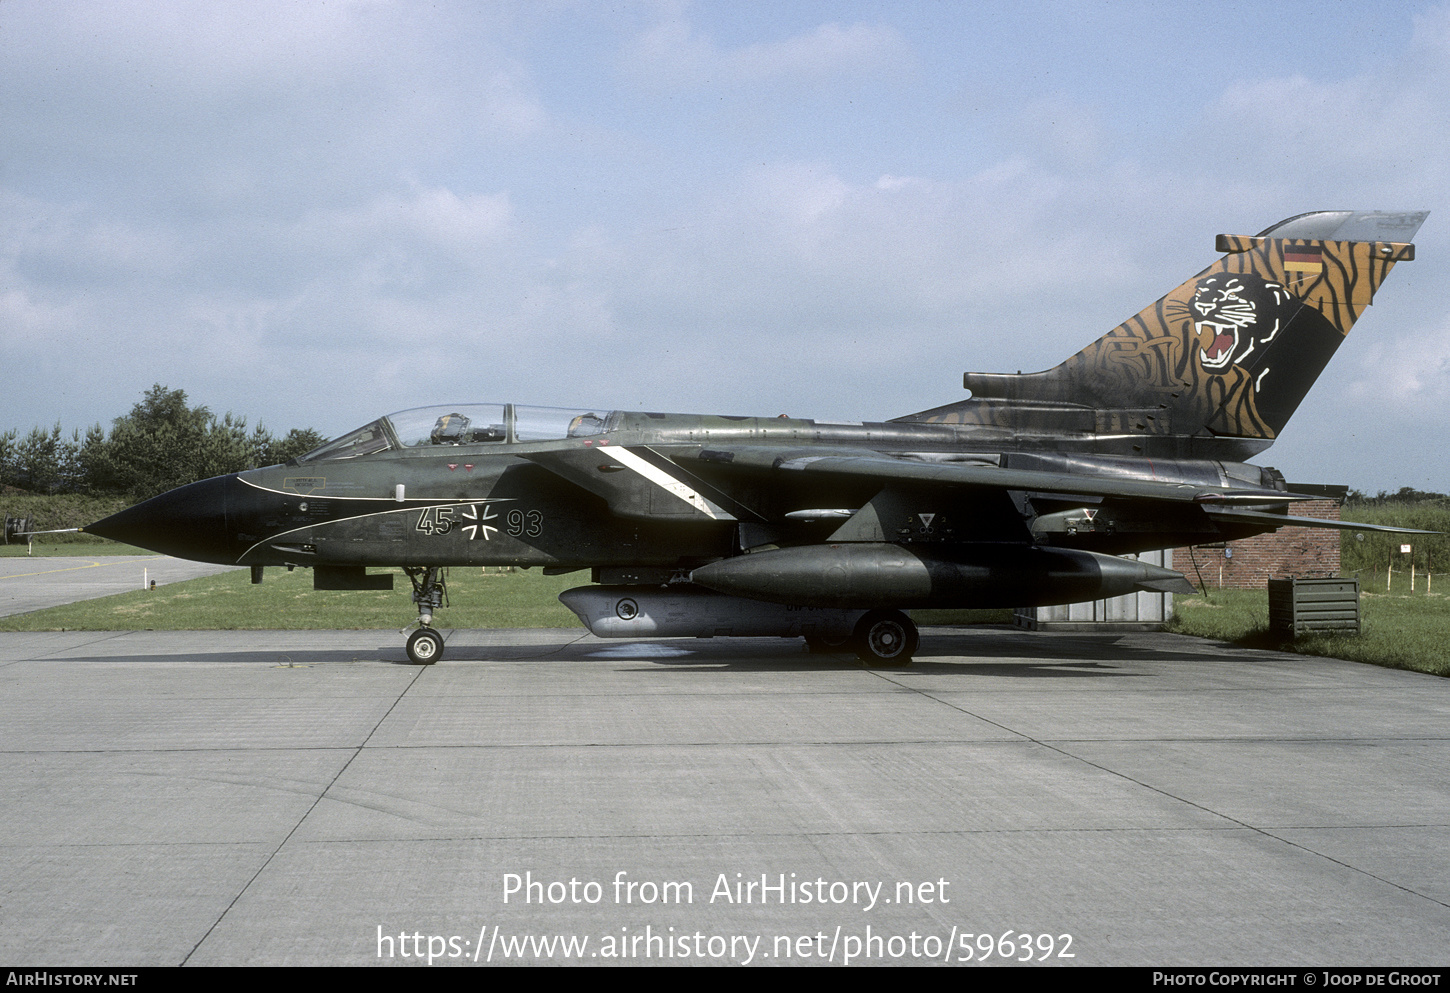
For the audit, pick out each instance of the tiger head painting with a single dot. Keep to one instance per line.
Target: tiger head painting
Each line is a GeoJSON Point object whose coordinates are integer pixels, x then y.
{"type": "Point", "coordinates": [1234, 315]}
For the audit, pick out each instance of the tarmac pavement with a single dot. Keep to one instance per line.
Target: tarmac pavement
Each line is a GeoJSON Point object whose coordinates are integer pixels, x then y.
{"type": "Point", "coordinates": [310, 798]}
{"type": "Point", "coordinates": [34, 583]}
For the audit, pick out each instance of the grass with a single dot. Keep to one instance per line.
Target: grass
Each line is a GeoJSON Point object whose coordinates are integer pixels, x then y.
{"type": "Point", "coordinates": [67, 510]}
{"type": "Point", "coordinates": [286, 601]}
{"type": "Point", "coordinates": [1399, 630]}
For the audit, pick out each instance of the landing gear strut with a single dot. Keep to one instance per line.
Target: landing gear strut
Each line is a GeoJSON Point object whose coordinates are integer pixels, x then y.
{"type": "Point", "coordinates": [886, 636]}
{"type": "Point", "coordinates": [430, 592]}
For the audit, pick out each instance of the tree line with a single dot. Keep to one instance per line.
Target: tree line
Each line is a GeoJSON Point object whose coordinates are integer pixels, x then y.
{"type": "Point", "coordinates": [1405, 495]}
{"type": "Point", "coordinates": [164, 442]}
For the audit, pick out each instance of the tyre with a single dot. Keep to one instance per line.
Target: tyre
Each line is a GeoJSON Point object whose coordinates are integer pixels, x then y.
{"type": "Point", "coordinates": [425, 646]}
{"type": "Point", "coordinates": [886, 636]}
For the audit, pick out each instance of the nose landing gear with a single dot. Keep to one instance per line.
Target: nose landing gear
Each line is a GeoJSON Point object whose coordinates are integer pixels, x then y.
{"type": "Point", "coordinates": [430, 592]}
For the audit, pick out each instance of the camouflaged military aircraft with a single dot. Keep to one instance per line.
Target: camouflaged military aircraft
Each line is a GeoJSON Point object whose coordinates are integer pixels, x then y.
{"type": "Point", "coordinates": [1029, 492]}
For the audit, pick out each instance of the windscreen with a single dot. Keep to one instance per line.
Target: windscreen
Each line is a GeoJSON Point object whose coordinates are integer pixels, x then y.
{"type": "Point", "coordinates": [464, 424]}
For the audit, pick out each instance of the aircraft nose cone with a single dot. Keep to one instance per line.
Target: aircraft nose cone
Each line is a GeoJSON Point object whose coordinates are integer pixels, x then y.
{"type": "Point", "coordinates": [189, 522]}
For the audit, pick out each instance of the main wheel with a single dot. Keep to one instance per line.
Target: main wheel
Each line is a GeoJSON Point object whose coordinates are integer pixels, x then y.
{"type": "Point", "coordinates": [425, 646]}
{"type": "Point", "coordinates": [886, 636]}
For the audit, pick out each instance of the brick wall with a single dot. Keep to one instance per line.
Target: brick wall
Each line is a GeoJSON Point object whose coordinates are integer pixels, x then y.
{"type": "Point", "coordinates": [1300, 552]}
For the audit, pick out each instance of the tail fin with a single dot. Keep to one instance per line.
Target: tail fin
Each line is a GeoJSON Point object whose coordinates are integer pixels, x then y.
{"type": "Point", "coordinates": [1216, 367]}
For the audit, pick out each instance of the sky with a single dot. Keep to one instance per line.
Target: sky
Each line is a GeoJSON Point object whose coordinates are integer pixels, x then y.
{"type": "Point", "coordinates": [309, 214]}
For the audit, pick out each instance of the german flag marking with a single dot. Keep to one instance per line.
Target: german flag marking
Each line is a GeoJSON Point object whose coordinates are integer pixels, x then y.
{"type": "Point", "coordinates": [1303, 260]}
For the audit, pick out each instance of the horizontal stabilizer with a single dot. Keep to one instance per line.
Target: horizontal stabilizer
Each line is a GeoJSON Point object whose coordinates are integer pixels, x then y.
{"type": "Point", "coordinates": [1287, 521]}
{"type": "Point", "coordinates": [1253, 498]}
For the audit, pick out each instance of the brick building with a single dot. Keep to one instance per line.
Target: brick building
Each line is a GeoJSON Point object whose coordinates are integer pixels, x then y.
{"type": "Point", "coordinates": [1248, 564]}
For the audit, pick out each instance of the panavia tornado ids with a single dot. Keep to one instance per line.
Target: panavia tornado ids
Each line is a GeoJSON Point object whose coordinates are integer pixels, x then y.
{"type": "Point", "coordinates": [1028, 493]}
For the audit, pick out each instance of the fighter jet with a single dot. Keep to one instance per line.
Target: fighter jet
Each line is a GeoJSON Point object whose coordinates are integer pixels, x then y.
{"type": "Point", "coordinates": [1029, 492]}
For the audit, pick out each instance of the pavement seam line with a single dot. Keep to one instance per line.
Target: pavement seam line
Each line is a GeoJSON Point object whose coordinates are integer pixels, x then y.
{"type": "Point", "coordinates": [106, 636]}
{"type": "Point", "coordinates": [1162, 792]}
{"type": "Point", "coordinates": [303, 819]}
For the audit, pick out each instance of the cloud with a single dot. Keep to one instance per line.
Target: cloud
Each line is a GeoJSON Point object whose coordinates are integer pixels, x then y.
{"type": "Point", "coordinates": [254, 108]}
{"type": "Point", "coordinates": [1061, 132]}
{"type": "Point", "coordinates": [792, 266]}
{"type": "Point", "coordinates": [675, 54]}
{"type": "Point", "coordinates": [1381, 130]}
{"type": "Point", "coordinates": [1406, 371]}
{"type": "Point", "coordinates": [368, 206]}
{"type": "Point", "coordinates": [428, 222]}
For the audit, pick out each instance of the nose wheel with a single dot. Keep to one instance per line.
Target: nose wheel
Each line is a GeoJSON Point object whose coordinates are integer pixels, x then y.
{"type": "Point", "coordinates": [425, 646]}
{"type": "Point", "coordinates": [886, 636]}
{"type": "Point", "coordinates": [430, 592]}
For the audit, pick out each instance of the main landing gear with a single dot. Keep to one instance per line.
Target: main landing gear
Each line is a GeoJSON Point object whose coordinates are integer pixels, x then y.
{"type": "Point", "coordinates": [886, 636]}
{"type": "Point", "coordinates": [430, 592]}
{"type": "Point", "coordinates": [881, 636]}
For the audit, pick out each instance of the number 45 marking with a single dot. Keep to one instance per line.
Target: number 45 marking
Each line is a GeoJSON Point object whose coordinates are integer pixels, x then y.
{"type": "Point", "coordinates": [436, 520]}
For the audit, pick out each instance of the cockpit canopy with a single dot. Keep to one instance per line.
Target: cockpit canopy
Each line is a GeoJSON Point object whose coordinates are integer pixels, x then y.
{"type": "Point", "coordinates": [463, 424]}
